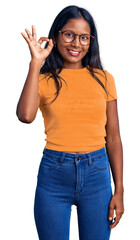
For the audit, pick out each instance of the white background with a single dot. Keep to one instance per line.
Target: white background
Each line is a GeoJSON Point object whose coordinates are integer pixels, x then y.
{"type": "Point", "coordinates": [22, 144]}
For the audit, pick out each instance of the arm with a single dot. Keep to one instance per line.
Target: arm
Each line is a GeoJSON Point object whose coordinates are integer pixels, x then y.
{"type": "Point", "coordinates": [30, 99]}
{"type": "Point", "coordinates": [115, 154]}
{"type": "Point", "coordinates": [114, 145]}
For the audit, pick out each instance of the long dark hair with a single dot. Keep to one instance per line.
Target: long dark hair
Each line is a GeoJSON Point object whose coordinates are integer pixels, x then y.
{"type": "Point", "coordinates": [55, 61]}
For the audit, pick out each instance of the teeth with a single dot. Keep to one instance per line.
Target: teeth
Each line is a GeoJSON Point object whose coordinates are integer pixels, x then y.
{"type": "Point", "coordinates": [72, 51]}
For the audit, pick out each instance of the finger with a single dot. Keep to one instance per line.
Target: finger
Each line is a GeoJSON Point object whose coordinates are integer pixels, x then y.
{"type": "Point", "coordinates": [116, 221]}
{"type": "Point", "coordinates": [50, 45]}
{"type": "Point", "coordinates": [25, 37]}
{"type": "Point", "coordinates": [117, 218]}
{"type": "Point", "coordinates": [111, 212]}
{"type": "Point", "coordinates": [42, 39]}
{"type": "Point", "coordinates": [28, 33]}
{"type": "Point", "coordinates": [118, 214]}
{"type": "Point", "coordinates": [34, 32]}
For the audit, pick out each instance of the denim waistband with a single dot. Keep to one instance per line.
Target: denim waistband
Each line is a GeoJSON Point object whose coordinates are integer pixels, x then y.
{"type": "Point", "coordinates": [70, 157]}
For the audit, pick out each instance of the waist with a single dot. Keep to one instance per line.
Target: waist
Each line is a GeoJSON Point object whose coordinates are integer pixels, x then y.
{"type": "Point", "coordinates": [72, 156]}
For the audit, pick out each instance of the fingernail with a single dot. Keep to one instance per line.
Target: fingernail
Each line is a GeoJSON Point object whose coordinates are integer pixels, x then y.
{"type": "Point", "coordinates": [110, 218]}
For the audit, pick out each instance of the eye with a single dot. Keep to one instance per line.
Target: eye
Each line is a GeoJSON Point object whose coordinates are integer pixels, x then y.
{"type": "Point", "coordinates": [85, 37]}
{"type": "Point", "coordinates": [68, 34]}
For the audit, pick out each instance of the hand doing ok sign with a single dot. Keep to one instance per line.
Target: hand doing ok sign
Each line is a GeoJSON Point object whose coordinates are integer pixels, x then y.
{"type": "Point", "coordinates": [37, 52]}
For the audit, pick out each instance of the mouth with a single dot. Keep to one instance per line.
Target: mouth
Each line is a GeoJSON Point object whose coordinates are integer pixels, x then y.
{"type": "Point", "coordinates": [73, 53]}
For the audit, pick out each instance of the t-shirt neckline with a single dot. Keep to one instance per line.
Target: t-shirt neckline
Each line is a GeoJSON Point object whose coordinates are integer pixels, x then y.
{"type": "Point", "coordinates": [74, 69]}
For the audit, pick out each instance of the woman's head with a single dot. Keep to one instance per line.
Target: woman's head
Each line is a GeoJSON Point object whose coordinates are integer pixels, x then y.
{"type": "Point", "coordinates": [80, 21]}
{"type": "Point", "coordinates": [73, 48]}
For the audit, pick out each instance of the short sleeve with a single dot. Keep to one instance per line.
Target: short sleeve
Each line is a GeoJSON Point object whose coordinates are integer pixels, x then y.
{"type": "Point", "coordinates": [45, 89]}
{"type": "Point", "coordinates": [111, 87]}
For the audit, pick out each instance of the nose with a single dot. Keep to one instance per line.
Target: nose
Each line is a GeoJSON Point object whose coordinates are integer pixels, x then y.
{"type": "Point", "coordinates": [76, 41]}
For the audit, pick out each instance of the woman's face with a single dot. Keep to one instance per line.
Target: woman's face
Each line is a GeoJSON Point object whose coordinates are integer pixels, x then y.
{"type": "Point", "coordinates": [79, 26]}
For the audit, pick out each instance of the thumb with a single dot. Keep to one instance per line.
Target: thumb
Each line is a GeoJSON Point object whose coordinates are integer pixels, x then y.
{"type": "Point", "coordinates": [111, 211]}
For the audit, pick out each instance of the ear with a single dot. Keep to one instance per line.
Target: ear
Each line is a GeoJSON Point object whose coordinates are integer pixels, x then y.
{"type": "Point", "coordinates": [54, 39]}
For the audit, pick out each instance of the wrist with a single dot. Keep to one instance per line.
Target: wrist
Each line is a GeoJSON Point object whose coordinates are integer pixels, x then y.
{"type": "Point", "coordinates": [119, 189]}
{"type": "Point", "coordinates": [36, 62]}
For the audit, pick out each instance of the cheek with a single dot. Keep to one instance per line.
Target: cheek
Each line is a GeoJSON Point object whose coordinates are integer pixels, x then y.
{"type": "Point", "coordinates": [84, 52]}
{"type": "Point", "coordinates": [62, 49]}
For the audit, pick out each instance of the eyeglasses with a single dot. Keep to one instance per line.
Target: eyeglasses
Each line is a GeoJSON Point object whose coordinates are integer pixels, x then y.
{"type": "Point", "coordinates": [69, 36]}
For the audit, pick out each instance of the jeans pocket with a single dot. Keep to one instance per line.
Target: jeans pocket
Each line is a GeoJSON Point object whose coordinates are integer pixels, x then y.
{"type": "Point", "coordinates": [100, 162]}
{"type": "Point", "coordinates": [49, 163]}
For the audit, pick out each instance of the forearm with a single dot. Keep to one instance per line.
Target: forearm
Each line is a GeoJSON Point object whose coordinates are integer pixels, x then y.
{"type": "Point", "coordinates": [27, 105]}
{"type": "Point", "coordinates": [115, 155]}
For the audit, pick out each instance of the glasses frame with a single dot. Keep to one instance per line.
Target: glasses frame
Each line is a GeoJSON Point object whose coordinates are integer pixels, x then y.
{"type": "Point", "coordinates": [79, 35]}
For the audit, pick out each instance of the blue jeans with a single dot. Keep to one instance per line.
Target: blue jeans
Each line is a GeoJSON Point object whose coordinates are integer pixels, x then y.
{"type": "Point", "coordinates": [65, 179]}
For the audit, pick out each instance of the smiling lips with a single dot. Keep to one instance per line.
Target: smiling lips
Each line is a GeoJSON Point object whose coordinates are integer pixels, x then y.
{"type": "Point", "coordinates": [73, 53]}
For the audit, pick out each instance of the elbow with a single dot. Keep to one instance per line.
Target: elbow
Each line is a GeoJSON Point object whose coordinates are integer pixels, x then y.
{"type": "Point", "coordinates": [24, 118]}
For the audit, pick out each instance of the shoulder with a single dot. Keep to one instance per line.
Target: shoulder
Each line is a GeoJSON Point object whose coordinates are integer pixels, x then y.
{"type": "Point", "coordinates": [104, 74]}
{"type": "Point", "coordinates": [108, 74]}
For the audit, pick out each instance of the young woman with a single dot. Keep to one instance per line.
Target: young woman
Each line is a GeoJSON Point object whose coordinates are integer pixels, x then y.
{"type": "Point", "coordinates": [78, 101]}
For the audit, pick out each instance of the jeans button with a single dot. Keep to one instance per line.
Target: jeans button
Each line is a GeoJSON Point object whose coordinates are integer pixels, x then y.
{"type": "Point", "coordinates": [78, 158]}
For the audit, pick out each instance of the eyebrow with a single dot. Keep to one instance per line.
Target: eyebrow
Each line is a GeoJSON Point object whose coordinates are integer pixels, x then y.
{"type": "Point", "coordinates": [74, 32]}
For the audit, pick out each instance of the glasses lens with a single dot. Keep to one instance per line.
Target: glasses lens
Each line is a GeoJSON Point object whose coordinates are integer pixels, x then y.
{"type": "Point", "coordinates": [85, 39]}
{"type": "Point", "coordinates": [68, 36]}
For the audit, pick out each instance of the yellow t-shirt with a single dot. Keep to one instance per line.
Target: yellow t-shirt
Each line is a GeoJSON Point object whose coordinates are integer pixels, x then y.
{"type": "Point", "coordinates": [76, 120]}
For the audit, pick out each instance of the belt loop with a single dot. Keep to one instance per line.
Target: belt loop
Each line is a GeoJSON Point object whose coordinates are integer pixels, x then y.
{"type": "Point", "coordinates": [89, 158]}
{"type": "Point", "coordinates": [62, 157]}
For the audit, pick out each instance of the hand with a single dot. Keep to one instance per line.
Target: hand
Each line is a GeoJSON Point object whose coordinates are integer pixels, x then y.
{"type": "Point", "coordinates": [116, 203]}
{"type": "Point", "coordinates": [37, 52]}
